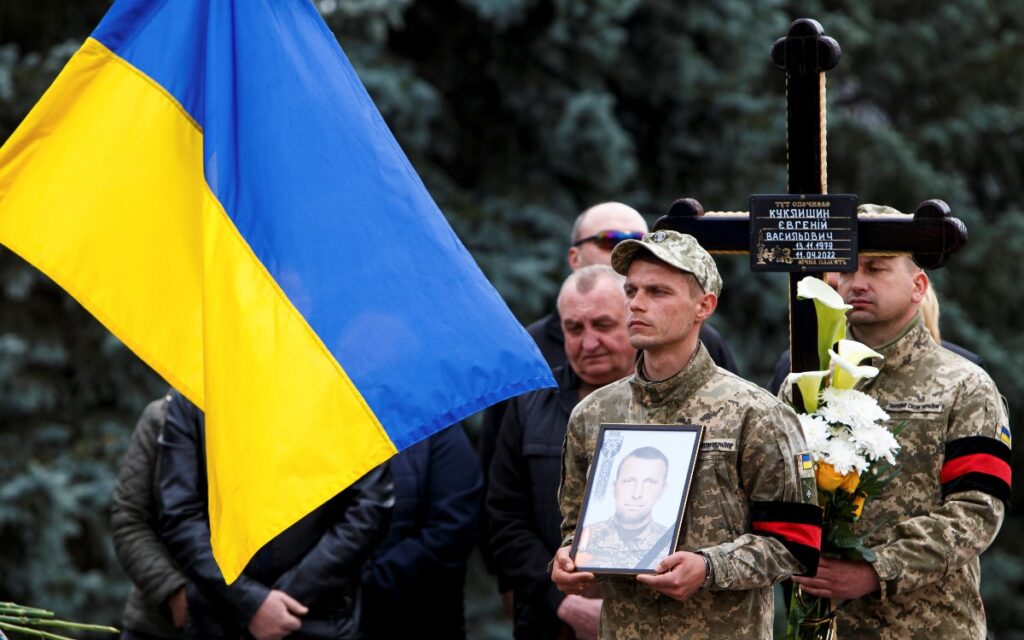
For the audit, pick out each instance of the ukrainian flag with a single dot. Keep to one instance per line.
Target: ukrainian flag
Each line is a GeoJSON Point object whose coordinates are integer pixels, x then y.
{"type": "Point", "coordinates": [210, 179]}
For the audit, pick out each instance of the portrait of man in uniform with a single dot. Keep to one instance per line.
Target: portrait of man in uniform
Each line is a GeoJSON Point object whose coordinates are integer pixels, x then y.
{"type": "Point", "coordinates": [647, 501]}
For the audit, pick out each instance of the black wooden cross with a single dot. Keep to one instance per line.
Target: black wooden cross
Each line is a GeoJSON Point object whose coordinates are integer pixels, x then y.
{"type": "Point", "coordinates": [929, 237]}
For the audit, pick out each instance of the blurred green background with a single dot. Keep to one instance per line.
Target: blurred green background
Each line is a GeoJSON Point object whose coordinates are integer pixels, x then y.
{"type": "Point", "coordinates": [518, 114]}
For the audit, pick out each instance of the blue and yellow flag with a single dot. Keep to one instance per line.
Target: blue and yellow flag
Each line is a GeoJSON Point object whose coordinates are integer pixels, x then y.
{"type": "Point", "coordinates": [210, 179]}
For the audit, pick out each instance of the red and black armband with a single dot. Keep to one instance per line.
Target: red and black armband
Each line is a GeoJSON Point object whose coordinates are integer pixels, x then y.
{"type": "Point", "coordinates": [796, 525]}
{"type": "Point", "coordinates": [977, 463]}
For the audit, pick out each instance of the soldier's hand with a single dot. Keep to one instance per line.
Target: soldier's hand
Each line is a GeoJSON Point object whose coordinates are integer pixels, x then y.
{"type": "Point", "coordinates": [678, 576]}
{"type": "Point", "coordinates": [840, 579]}
{"type": "Point", "coordinates": [565, 576]}
{"type": "Point", "coordinates": [277, 617]}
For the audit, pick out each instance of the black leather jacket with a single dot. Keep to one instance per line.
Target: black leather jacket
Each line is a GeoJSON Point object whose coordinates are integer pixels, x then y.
{"type": "Point", "coordinates": [317, 560]}
{"type": "Point", "coordinates": [525, 520]}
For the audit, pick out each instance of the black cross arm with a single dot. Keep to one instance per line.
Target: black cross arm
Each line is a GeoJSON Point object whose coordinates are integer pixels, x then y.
{"type": "Point", "coordinates": [930, 236]}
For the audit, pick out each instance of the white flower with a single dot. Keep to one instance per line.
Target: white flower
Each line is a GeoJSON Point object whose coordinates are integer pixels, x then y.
{"type": "Point", "coordinates": [842, 454]}
{"type": "Point", "coordinates": [875, 442]}
{"type": "Point", "coordinates": [850, 407]}
{"type": "Point", "coordinates": [830, 311]}
{"type": "Point", "coordinates": [809, 383]}
{"type": "Point", "coordinates": [811, 288]}
{"type": "Point", "coordinates": [846, 374]}
{"type": "Point", "coordinates": [816, 433]}
{"type": "Point", "coordinates": [856, 352]}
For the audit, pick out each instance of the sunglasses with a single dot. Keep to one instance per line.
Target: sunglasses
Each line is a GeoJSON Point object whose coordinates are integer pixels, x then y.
{"type": "Point", "coordinates": [608, 238]}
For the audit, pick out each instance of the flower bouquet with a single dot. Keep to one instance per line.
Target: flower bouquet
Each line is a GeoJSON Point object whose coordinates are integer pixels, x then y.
{"type": "Point", "coordinates": [854, 454]}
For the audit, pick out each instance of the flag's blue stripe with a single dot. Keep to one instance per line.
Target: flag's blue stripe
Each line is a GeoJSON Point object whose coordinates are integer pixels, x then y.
{"type": "Point", "coordinates": [307, 170]}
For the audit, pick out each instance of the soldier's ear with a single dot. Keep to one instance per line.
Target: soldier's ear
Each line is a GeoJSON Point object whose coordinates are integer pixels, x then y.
{"type": "Point", "coordinates": [921, 284]}
{"type": "Point", "coordinates": [706, 305]}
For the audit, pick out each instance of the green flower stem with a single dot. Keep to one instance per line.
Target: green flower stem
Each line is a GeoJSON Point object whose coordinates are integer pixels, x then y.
{"type": "Point", "coordinates": [6, 626]}
{"type": "Point", "coordinates": [810, 617]}
{"type": "Point", "coordinates": [17, 609]}
{"type": "Point", "coordinates": [57, 623]}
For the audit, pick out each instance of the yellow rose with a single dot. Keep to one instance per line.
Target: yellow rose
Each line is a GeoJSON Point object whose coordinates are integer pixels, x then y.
{"type": "Point", "coordinates": [850, 481]}
{"type": "Point", "coordinates": [858, 506]}
{"type": "Point", "coordinates": [828, 479]}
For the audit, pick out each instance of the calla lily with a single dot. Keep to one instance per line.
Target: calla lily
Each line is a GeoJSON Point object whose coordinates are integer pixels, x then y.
{"type": "Point", "coordinates": [830, 311]}
{"type": "Point", "coordinates": [809, 383]}
{"type": "Point", "coordinates": [845, 370]}
{"type": "Point", "coordinates": [856, 352]}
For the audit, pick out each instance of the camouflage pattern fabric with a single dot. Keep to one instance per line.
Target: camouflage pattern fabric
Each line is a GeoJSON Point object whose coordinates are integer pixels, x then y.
{"type": "Point", "coordinates": [751, 444]}
{"type": "Point", "coordinates": [927, 546]}
{"type": "Point", "coordinates": [602, 546]}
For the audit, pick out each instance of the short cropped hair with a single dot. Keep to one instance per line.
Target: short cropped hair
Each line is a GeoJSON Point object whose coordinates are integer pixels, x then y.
{"type": "Point", "coordinates": [644, 453]}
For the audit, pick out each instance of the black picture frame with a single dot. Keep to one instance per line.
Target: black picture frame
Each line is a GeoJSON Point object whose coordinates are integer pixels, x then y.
{"type": "Point", "coordinates": [635, 535]}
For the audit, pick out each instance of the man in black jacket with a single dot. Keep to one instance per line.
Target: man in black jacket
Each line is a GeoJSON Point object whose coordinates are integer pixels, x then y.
{"type": "Point", "coordinates": [304, 583]}
{"type": "Point", "coordinates": [413, 582]}
{"type": "Point", "coordinates": [521, 501]}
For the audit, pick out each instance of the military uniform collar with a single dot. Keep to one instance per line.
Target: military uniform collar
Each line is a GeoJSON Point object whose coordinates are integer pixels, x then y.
{"type": "Point", "coordinates": [683, 384]}
{"type": "Point", "coordinates": [908, 346]}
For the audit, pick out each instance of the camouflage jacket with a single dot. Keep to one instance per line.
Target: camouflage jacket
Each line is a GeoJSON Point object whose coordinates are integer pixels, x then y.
{"type": "Point", "coordinates": [946, 504]}
{"type": "Point", "coordinates": [606, 548]}
{"type": "Point", "coordinates": [747, 465]}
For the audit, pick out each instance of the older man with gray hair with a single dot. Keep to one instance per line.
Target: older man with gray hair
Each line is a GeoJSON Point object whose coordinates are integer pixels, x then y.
{"type": "Point", "coordinates": [524, 517]}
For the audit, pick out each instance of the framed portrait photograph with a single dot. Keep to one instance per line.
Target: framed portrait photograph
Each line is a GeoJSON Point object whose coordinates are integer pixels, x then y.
{"type": "Point", "coordinates": [636, 496]}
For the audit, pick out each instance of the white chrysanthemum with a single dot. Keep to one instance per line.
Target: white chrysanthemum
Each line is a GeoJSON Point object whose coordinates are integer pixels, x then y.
{"type": "Point", "coordinates": [816, 433]}
{"type": "Point", "coordinates": [875, 442]}
{"type": "Point", "coordinates": [850, 407]}
{"type": "Point", "coordinates": [842, 454]}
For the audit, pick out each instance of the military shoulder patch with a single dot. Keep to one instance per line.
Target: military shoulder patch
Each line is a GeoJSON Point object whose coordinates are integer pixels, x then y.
{"type": "Point", "coordinates": [1005, 436]}
{"type": "Point", "coordinates": [805, 464]}
{"type": "Point", "coordinates": [808, 485]}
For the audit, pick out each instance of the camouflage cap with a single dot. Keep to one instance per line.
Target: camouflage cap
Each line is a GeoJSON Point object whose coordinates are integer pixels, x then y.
{"type": "Point", "coordinates": [674, 249]}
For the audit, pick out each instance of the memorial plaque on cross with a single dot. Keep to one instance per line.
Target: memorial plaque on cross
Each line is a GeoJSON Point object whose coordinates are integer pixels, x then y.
{"type": "Point", "coordinates": [807, 230]}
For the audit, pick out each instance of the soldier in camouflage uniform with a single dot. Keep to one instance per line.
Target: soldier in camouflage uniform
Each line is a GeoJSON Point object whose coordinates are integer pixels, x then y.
{"type": "Point", "coordinates": [631, 534]}
{"type": "Point", "coordinates": [947, 503]}
{"type": "Point", "coordinates": [751, 519]}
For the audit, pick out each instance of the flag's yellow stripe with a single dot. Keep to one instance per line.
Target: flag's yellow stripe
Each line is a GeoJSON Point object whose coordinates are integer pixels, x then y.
{"type": "Point", "coordinates": [111, 211]}
{"type": "Point", "coordinates": [286, 429]}
{"type": "Point", "coordinates": [145, 246]}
